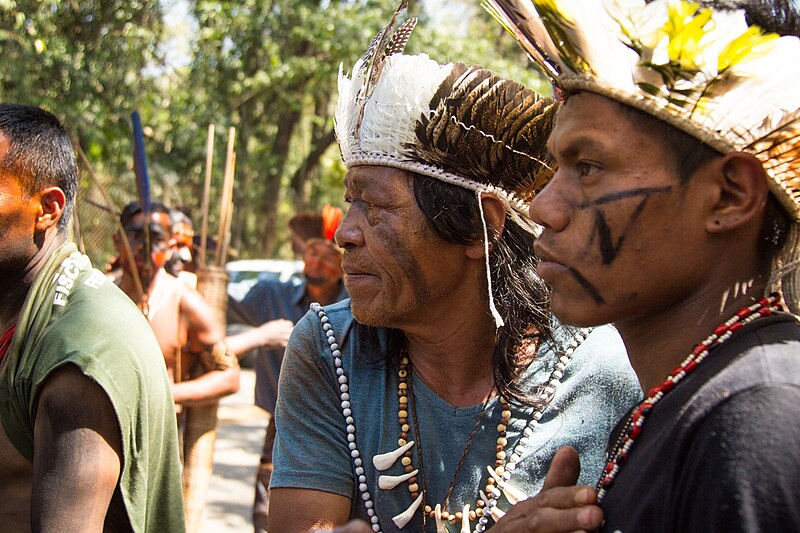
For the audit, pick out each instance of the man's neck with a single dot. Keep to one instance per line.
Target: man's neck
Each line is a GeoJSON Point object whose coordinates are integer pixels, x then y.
{"type": "Point", "coordinates": [15, 290]}
{"type": "Point", "coordinates": [324, 294]}
{"type": "Point", "coordinates": [454, 357]}
{"type": "Point", "coordinates": [658, 343]}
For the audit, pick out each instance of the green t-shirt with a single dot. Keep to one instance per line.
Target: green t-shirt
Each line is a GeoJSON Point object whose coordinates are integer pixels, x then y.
{"type": "Point", "coordinates": [74, 314]}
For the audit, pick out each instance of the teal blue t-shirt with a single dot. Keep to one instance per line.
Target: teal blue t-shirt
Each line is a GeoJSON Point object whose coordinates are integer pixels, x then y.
{"type": "Point", "coordinates": [311, 449]}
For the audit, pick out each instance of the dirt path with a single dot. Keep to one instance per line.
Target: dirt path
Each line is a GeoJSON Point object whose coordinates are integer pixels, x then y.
{"type": "Point", "coordinates": [239, 441]}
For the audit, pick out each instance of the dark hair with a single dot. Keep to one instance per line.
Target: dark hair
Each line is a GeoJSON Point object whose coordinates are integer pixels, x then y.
{"type": "Point", "coordinates": [520, 295]}
{"type": "Point", "coordinates": [39, 154]}
{"type": "Point", "coordinates": [778, 16]}
{"type": "Point", "coordinates": [176, 216]}
{"type": "Point", "coordinates": [133, 209]}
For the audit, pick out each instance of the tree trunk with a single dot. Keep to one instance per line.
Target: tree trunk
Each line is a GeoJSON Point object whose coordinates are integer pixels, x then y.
{"type": "Point", "coordinates": [288, 119]}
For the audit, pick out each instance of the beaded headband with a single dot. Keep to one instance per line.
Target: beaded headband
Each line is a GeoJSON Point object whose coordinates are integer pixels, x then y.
{"type": "Point", "coordinates": [455, 123]}
{"type": "Point", "coordinates": [704, 71]}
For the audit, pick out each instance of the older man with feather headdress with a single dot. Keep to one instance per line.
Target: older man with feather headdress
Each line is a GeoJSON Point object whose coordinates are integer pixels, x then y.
{"type": "Point", "coordinates": [433, 399]}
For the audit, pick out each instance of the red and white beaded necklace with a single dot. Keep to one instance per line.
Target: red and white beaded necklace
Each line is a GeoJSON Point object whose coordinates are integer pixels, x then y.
{"type": "Point", "coordinates": [633, 428]}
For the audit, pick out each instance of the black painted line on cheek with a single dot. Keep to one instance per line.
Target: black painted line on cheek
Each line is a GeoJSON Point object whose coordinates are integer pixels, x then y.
{"type": "Point", "coordinates": [635, 216]}
{"type": "Point", "coordinates": [631, 193]}
{"type": "Point", "coordinates": [588, 286]}
{"type": "Point", "coordinates": [608, 251]}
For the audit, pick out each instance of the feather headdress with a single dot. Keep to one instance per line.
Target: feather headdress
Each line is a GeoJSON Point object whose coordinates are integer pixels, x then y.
{"type": "Point", "coordinates": [315, 227]}
{"type": "Point", "coordinates": [456, 123]}
{"type": "Point", "coordinates": [707, 72]}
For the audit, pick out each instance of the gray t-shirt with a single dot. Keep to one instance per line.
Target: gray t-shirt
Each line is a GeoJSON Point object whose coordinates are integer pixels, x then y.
{"type": "Point", "coordinates": [311, 449]}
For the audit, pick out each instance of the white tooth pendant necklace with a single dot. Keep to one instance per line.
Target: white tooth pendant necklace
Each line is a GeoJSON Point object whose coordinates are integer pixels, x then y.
{"type": "Point", "coordinates": [407, 402]}
{"type": "Point", "coordinates": [499, 475]}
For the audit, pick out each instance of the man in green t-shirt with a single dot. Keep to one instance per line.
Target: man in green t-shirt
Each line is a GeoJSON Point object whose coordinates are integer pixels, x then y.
{"type": "Point", "coordinates": [88, 439]}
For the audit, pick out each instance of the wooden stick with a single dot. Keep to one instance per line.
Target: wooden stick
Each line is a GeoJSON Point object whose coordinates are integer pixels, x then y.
{"type": "Point", "coordinates": [206, 194]}
{"type": "Point", "coordinates": [227, 191]}
{"type": "Point", "coordinates": [76, 227]}
{"type": "Point", "coordinates": [229, 218]}
{"type": "Point", "coordinates": [123, 237]}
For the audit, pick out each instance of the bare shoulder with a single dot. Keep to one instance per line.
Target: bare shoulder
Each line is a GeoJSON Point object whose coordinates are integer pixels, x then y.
{"type": "Point", "coordinates": [77, 452]}
{"type": "Point", "coordinates": [67, 392]}
{"type": "Point", "coordinates": [200, 316]}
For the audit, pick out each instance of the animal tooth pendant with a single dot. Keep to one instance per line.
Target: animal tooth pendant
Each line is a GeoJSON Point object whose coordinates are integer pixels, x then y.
{"type": "Point", "coordinates": [496, 513]}
{"type": "Point", "coordinates": [405, 517]}
{"type": "Point", "coordinates": [465, 519]}
{"type": "Point", "coordinates": [440, 527]}
{"type": "Point", "coordinates": [513, 494]}
{"type": "Point", "coordinates": [386, 460]}
{"type": "Point", "coordinates": [390, 482]}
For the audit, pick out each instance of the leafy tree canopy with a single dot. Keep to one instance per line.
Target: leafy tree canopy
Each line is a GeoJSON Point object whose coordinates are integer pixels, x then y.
{"type": "Point", "coordinates": [265, 67]}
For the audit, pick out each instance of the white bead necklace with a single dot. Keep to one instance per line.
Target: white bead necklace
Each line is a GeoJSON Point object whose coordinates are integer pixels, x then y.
{"type": "Point", "coordinates": [501, 481]}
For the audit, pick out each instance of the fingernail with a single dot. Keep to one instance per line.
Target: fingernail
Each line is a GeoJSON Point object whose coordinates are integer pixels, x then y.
{"type": "Point", "coordinates": [585, 496]}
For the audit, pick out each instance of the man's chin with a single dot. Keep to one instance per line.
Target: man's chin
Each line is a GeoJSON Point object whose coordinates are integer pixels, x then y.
{"type": "Point", "coordinates": [368, 317]}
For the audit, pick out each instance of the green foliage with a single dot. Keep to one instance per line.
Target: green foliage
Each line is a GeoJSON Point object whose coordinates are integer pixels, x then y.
{"type": "Point", "coordinates": [266, 67]}
{"type": "Point", "coordinates": [83, 61]}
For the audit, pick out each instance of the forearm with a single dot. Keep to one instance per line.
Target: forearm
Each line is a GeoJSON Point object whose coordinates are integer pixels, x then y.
{"type": "Point", "coordinates": [305, 510]}
{"type": "Point", "coordinates": [273, 335]}
{"type": "Point", "coordinates": [208, 388]}
{"type": "Point", "coordinates": [245, 341]}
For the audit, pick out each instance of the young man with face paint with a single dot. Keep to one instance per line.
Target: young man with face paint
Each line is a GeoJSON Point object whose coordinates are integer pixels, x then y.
{"type": "Point", "coordinates": [433, 399]}
{"type": "Point", "coordinates": [674, 216]}
{"type": "Point", "coordinates": [87, 436]}
{"type": "Point", "coordinates": [184, 324]}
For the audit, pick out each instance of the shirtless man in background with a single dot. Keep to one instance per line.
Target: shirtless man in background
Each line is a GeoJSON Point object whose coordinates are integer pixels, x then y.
{"type": "Point", "coordinates": [184, 324]}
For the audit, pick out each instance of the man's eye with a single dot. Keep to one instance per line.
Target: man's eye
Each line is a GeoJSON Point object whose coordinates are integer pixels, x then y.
{"type": "Point", "coordinates": [587, 169]}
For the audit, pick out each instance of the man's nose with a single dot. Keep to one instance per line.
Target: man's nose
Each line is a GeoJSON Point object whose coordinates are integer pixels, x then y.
{"type": "Point", "coordinates": [548, 208]}
{"type": "Point", "coordinates": [348, 234]}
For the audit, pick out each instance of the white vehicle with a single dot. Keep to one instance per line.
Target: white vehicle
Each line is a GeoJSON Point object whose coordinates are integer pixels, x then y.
{"type": "Point", "coordinates": [247, 272]}
{"type": "Point", "coordinates": [243, 275]}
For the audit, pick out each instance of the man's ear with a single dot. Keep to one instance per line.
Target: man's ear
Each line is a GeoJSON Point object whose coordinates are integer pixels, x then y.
{"type": "Point", "coordinates": [494, 214]}
{"type": "Point", "coordinates": [52, 201]}
{"type": "Point", "coordinates": [743, 188]}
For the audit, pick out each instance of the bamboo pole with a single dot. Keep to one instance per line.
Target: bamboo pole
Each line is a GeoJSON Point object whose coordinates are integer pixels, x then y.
{"type": "Point", "coordinates": [201, 421]}
{"type": "Point", "coordinates": [229, 218]}
{"type": "Point", "coordinates": [227, 193]}
{"type": "Point", "coordinates": [206, 194]}
{"type": "Point", "coordinates": [76, 227]}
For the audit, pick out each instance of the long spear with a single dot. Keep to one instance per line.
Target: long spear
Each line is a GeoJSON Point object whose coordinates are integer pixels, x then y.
{"type": "Point", "coordinates": [143, 188]}
{"type": "Point", "coordinates": [226, 202]}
